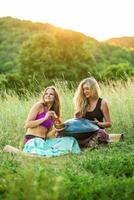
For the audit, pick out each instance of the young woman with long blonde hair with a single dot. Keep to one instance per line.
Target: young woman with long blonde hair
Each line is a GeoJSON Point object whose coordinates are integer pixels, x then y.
{"type": "Point", "coordinates": [89, 105]}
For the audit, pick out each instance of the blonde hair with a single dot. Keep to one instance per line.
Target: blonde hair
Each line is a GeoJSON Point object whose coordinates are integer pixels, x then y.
{"type": "Point", "coordinates": [56, 104]}
{"type": "Point", "coordinates": [80, 101]}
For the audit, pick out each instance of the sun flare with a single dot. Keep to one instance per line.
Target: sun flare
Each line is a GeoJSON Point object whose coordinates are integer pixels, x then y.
{"type": "Point", "coordinates": [99, 19]}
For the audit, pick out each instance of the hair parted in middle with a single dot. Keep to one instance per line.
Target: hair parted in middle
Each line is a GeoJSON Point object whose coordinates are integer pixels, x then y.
{"type": "Point", "coordinates": [80, 101]}
{"type": "Point", "coordinates": [56, 104]}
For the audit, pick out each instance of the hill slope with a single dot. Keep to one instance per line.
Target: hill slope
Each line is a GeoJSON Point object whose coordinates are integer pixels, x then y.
{"type": "Point", "coordinates": [127, 42]}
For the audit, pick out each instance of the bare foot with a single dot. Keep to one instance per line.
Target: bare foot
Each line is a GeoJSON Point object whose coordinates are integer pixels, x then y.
{"type": "Point", "coordinates": [11, 149]}
{"type": "Point", "coordinates": [115, 137]}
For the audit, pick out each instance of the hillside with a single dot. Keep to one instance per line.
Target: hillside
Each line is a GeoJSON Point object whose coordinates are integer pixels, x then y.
{"type": "Point", "coordinates": [14, 32]}
{"type": "Point", "coordinates": [29, 49]}
{"type": "Point", "coordinates": [127, 42]}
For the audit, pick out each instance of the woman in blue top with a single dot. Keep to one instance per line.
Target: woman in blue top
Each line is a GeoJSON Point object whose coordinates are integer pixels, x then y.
{"type": "Point", "coordinates": [89, 105]}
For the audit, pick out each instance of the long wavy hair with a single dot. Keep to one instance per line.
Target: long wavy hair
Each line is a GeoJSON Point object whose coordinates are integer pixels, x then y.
{"type": "Point", "coordinates": [56, 104]}
{"type": "Point", "coordinates": [80, 101]}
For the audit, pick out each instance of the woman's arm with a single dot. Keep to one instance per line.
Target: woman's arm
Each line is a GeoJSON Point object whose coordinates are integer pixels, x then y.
{"type": "Point", "coordinates": [107, 123]}
{"type": "Point", "coordinates": [78, 115]}
{"type": "Point", "coordinates": [31, 122]}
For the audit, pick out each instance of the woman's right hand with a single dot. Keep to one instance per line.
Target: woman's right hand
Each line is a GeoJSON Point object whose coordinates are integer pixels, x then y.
{"type": "Point", "coordinates": [78, 115]}
{"type": "Point", "coordinates": [49, 114]}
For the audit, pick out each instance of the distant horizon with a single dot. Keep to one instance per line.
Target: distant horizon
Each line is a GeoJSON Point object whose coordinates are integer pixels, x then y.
{"type": "Point", "coordinates": [101, 20]}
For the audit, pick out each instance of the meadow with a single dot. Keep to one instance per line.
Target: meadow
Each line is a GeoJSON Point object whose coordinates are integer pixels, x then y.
{"type": "Point", "coordinates": [105, 173]}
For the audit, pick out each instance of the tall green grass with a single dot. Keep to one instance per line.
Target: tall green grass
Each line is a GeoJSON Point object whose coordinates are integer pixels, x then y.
{"type": "Point", "coordinates": [105, 173]}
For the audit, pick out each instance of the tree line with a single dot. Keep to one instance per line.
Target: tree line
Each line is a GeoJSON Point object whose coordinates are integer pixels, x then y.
{"type": "Point", "coordinates": [38, 52]}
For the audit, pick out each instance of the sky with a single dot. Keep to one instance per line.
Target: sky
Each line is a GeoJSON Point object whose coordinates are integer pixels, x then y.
{"type": "Point", "coordinates": [100, 19]}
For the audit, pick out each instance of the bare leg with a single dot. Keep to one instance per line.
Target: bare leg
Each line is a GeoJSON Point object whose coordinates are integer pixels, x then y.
{"type": "Point", "coordinates": [11, 149]}
{"type": "Point", "coordinates": [115, 137]}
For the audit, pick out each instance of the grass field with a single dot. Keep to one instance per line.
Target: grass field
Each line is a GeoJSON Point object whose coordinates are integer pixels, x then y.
{"type": "Point", "coordinates": [99, 174]}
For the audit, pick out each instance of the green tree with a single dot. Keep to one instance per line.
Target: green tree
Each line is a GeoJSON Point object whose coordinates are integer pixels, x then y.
{"type": "Point", "coordinates": [55, 56]}
{"type": "Point", "coordinates": [120, 71]}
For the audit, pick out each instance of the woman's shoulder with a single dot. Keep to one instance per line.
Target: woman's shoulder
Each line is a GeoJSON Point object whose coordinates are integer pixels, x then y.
{"type": "Point", "coordinates": [104, 102]}
{"type": "Point", "coordinates": [38, 105]}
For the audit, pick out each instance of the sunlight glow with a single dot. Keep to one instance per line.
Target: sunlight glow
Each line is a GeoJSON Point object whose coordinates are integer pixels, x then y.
{"type": "Point", "coordinates": [101, 19]}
